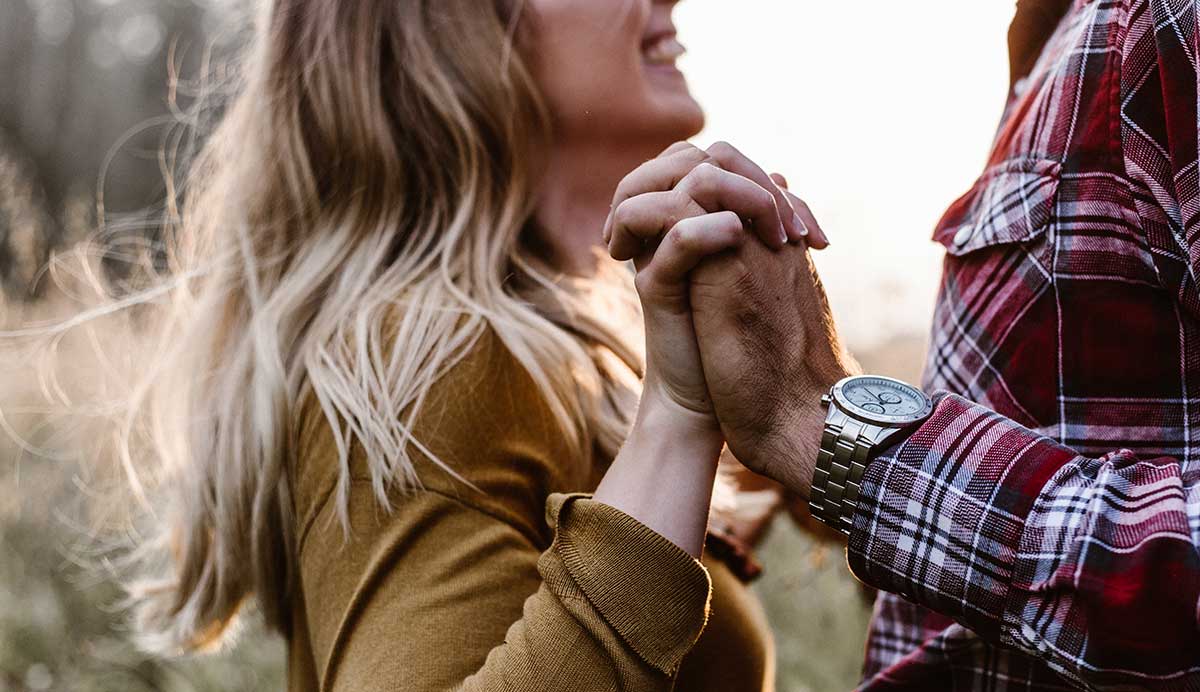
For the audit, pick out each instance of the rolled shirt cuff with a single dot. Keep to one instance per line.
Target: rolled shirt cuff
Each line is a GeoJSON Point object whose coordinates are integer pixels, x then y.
{"type": "Point", "coordinates": [940, 517]}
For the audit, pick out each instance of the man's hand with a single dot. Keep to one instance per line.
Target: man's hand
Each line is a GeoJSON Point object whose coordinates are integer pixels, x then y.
{"type": "Point", "coordinates": [769, 351]}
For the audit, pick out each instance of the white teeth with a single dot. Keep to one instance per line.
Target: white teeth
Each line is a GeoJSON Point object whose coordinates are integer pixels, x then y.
{"type": "Point", "coordinates": [664, 52]}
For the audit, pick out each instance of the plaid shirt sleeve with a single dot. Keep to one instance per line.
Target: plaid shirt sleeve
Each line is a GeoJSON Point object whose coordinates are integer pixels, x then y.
{"type": "Point", "coordinates": [1090, 565]}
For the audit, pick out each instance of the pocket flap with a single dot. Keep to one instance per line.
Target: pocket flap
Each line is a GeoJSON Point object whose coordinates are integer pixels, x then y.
{"type": "Point", "coordinates": [1011, 202]}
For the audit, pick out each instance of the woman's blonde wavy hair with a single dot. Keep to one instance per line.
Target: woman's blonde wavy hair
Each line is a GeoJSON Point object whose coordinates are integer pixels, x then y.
{"type": "Point", "coordinates": [375, 169]}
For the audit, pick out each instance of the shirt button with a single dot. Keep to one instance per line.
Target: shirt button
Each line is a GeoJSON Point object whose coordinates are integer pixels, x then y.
{"type": "Point", "coordinates": [964, 234]}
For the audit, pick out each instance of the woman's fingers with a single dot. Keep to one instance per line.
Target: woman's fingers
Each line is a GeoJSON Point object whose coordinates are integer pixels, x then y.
{"type": "Point", "coordinates": [717, 189]}
{"type": "Point", "coordinates": [678, 147]}
{"type": "Point", "coordinates": [677, 161]}
{"type": "Point", "coordinates": [812, 227]}
{"type": "Point", "coordinates": [656, 175]}
{"type": "Point", "coordinates": [816, 239]}
{"type": "Point", "coordinates": [662, 274]}
{"type": "Point", "coordinates": [734, 161]}
{"type": "Point", "coordinates": [642, 220]}
{"type": "Point", "coordinates": [782, 182]}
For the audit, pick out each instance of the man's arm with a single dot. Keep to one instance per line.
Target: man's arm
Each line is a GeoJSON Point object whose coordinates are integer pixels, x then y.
{"type": "Point", "coordinates": [1091, 565]}
{"type": "Point", "coordinates": [1088, 564]}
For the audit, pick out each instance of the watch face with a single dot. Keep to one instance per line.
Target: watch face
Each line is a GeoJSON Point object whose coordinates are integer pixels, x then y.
{"type": "Point", "coordinates": [882, 400]}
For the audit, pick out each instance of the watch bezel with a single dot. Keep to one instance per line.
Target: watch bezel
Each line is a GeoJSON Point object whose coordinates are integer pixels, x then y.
{"type": "Point", "coordinates": [883, 420]}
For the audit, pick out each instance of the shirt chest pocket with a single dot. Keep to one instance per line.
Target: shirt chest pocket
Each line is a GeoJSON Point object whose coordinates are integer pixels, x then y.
{"type": "Point", "coordinates": [1011, 203]}
{"type": "Point", "coordinates": [994, 336]}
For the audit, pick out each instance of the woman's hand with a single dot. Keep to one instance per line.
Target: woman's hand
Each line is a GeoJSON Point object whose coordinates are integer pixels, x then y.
{"type": "Point", "coordinates": [669, 215]}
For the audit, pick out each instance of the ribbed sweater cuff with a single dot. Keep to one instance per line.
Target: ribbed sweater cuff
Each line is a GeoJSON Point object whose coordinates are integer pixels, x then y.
{"type": "Point", "coordinates": [651, 592]}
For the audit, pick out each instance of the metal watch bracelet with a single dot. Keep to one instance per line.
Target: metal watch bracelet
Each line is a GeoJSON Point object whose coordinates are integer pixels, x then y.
{"type": "Point", "coordinates": [841, 463]}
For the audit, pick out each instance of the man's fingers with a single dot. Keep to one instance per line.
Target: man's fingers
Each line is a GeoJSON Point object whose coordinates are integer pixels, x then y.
{"type": "Point", "coordinates": [816, 239]}
{"type": "Point", "coordinates": [656, 175]}
{"type": "Point", "coordinates": [732, 159]}
{"type": "Point", "coordinates": [687, 244]}
{"type": "Point", "coordinates": [779, 180]}
{"type": "Point", "coordinates": [716, 189]}
{"type": "Point", "coordinates": [645, 218]}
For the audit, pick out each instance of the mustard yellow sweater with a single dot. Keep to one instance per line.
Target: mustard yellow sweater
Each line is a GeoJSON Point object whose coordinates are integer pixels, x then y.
{"type": "Point", "coordinates": [520, 586]}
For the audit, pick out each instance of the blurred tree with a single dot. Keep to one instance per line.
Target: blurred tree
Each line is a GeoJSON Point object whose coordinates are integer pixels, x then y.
{"type": "Point", "coordinates": [23, 221]}
{"type": "Point", "coordinates": [83, 118]}
{"type": "Point", "coordinates": [84, 115]}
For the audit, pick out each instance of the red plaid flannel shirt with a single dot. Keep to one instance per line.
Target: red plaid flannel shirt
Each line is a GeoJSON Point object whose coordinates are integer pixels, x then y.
{"type": "Point", "coordinates": [1041, 530]}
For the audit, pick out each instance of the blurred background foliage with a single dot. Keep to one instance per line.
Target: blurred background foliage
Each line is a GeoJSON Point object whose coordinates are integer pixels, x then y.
{"type": "Point", "coordinates": [84, 118]}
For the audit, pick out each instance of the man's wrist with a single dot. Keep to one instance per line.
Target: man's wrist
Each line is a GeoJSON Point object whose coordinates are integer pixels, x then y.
{"type": "Point", "coordinates": [793, 455]}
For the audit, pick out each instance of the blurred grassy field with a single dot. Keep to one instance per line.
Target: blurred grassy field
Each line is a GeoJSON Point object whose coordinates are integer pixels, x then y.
{"type": "Point", "coordinates": [60, 628]}
{"type": "Point", "coordinates": [817, 610]}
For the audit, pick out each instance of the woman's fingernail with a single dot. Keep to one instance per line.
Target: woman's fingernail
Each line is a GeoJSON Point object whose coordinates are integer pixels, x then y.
{"type": "Point", "coordinates": [800, 224]}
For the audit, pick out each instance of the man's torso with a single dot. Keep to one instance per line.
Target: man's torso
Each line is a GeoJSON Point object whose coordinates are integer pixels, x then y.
{"type": "Point", "coordinates": [1066, 302]}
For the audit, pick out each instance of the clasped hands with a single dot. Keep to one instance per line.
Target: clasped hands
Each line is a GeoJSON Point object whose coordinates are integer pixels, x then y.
{"type": "Point", "coordinates": [738, 330]}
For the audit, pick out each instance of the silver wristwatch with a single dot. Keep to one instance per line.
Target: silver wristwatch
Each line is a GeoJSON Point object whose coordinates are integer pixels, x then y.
{"type": "Point", "coordinates": [865, 413]}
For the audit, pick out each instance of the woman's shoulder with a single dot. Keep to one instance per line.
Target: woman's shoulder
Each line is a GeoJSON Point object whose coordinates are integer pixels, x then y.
{"type": "Point", "coordinates": [487, 410]}
{"type": "Point", "coordinates": [484, 435]}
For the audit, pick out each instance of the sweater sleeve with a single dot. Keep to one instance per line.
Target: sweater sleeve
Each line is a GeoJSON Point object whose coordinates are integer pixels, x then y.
{"type": "Point", "coordinates": [486, 585]}
{"type": "Point", "coordinates": [442, 596]}
{"type": "Point", "coordinates": [1089, 564]}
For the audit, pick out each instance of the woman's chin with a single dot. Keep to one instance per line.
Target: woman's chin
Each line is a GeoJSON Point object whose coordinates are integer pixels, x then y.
{"type": "Point", "coordinates": [682, 116]}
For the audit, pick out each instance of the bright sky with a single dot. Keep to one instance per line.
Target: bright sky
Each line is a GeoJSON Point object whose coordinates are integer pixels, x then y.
{"type": "Point", "coordinates": [880, 114]}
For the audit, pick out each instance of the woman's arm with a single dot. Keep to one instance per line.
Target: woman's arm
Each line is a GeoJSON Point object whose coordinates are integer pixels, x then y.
{"type": "Point", "coordinates": [454, 588]}
{"type": "Point", "coordinates": [668, 216]}
{"type": "Point", "coordinates": [441, 595]}
{"type": "Point", "coordinates": [664, 474]}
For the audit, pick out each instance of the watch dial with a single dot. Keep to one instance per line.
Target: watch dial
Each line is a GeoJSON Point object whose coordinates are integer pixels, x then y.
{"type": "Point", "coordinates": [877, 397]}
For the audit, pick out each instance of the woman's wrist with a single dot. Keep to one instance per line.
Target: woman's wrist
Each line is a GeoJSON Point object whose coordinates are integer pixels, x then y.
{"type": "Point", "coordinates": [659, 415]}
{"type": "Point", "coordinates": [663, 475]}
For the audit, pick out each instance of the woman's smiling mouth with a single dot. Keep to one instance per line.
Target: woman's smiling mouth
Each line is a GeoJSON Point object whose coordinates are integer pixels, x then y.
{"type": "Point", "coordinates": [662, 50]}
